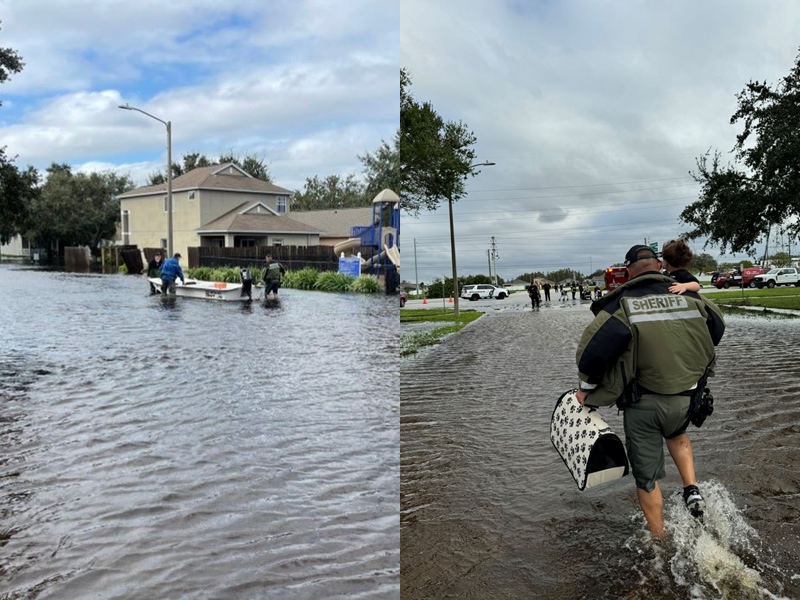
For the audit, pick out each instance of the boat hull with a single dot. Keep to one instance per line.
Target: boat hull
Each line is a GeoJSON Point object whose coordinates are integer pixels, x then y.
{"type": "Point", "coordinates": [206, 290]}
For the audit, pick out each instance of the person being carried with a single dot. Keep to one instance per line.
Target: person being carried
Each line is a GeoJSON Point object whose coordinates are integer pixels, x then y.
{"type": "Point", "coordinates": [170, 271]}
{"type": "Point", "coordinates": [677, 255]}
{"type": "Point", "coordinates": [650, 351]}
{"type": "Point", "coordinates": [154, 270]}
{"type": "Point", "coordinates": [271, 274]}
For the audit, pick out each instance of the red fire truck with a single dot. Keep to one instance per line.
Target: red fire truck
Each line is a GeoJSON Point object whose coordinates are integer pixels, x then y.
{"type": "Point", "coordinates": [615, 277]}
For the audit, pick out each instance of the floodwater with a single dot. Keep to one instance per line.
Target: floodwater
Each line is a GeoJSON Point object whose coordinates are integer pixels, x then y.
{"type": "Point", "coordinates": [488, 510]}
{"type": "Point", "coordinates": [191, 449]}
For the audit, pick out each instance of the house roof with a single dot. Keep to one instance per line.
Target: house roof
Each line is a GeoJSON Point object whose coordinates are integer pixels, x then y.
{"type": "Point", "coordinates": [216, 177]}
{"type": "Point", "coordinates": [335, 223]}
{"type": "Point", "coordinates": [255, 217]}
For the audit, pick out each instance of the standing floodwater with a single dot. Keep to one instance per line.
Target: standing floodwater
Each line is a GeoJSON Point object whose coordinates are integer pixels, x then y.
{"type": "Point", "coordinates": [488, 509]}
{"type": "Point", "coordinates": [192, 449]}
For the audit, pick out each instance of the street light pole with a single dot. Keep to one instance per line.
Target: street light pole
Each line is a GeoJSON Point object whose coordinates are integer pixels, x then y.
{"type": "Point", "coordinates": [453, 242]}
{"type": "Point", "coordinates": [168, 125]}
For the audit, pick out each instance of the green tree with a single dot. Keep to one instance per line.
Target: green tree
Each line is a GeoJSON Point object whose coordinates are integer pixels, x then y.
{"type": "Point", "coordinates": [382, 168]}
{"type": "Point", "coordinates": [739, 202]}
{"type": "Point", "coordinates": [780, 259]}
{"type": "Point", "coordinates": [702, 263]}
{"type": "Point", "coordinates": [531, 276]}
{"type": "Point", "coordinates": [76, 209]}
{"type": "Point", "coordinates": [332, 192]}
{"type": "Point", "coordinates": [435, 155]}
{"type": "Point", "coordinates": [250, 164]}
{"type": "Point", "coordinates": [17, 191]}
{"type": "Point", "coordinates": [15, 186]}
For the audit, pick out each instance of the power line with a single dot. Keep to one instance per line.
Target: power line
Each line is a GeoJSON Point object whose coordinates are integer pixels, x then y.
{"type": "Point", "coordinates": [562, 187]}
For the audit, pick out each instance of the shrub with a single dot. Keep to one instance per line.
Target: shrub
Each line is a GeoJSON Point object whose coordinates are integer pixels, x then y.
{"type": "Point", "coordinates": [304, 279]}
{"type": "Point", "coordinates": [330, 281]}
{"type": "Point", "coordinates": [366, 284]}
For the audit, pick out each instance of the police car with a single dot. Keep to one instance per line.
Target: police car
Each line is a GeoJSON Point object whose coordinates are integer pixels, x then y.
{"type": "Point", "coordinates": [480, 291]}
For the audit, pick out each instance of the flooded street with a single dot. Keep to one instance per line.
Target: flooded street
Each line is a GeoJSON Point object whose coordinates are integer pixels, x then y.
{"type": "Point", "coordinates": [489, 510]}
{"type": "Point", "coordinates": [193, 449]}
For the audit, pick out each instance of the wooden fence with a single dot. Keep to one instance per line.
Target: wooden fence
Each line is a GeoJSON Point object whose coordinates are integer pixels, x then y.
{"type": "Point", "coordinates": [321, 258]}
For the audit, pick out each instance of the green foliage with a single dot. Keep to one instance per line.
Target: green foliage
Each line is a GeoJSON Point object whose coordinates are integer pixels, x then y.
{"type": "Point", "coordinates": [17, 191]}
{"type": "Point", "coordinates": [435, 155]}
{"type": "Point", "coordinates": [10, 62]}
{"type": "Point", "coordinates": [365, 284]}
{"type": "Point", "coordinates": [382, 169]}
{"type": "Point", "coordinates": [703, 263]}
{"type": "Point", "coordinates": [304, 279]}
{"type": "Point", "coordinates": [330, 281]}
{"type": "Point", "coordinates": [781, 259]}
{"type": "Point", "coordinates": [332, 192]}
{"type": "Point", "coordinates": [16, 187]}
{"type": "Point", "coordinates": [76, 209]}
{"type": "Point", "coordinates": [739, 203]}
{"type": "Point", "coordinates": [122, 269]}
{"type": "Point", "coordinates": [250, 164]}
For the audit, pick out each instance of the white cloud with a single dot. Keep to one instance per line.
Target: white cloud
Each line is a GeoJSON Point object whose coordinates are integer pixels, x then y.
{"type": "Point", "coordinates": [579, 93]}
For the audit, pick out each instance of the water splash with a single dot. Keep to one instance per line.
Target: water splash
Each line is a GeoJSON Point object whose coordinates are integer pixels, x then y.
{"type": "Point", "coordinates": [720, 558]}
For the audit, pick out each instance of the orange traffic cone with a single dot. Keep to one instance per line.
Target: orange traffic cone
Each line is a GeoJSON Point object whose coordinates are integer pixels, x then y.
{"type": "Point", "coordinates": [451, 299]}
{"type": "Point", "coordinates": [424, 300]}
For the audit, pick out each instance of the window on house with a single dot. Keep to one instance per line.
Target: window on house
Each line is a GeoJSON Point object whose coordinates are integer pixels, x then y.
{"type": "Point", "coordinates": [277, 241]}
{"type": "Point", "coordinates": [192, 196]}
{"type": "Point", "coordinates": [280, 205]}
{"type": "Point", "coordinates": [166, 203]}
{"type": "Point", "coordinates": [164, 243]}
{"type": "Point", "coordinates": [126, 227]}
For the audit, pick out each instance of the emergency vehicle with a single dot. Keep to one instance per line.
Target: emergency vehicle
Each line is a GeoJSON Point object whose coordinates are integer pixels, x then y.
{"type": "Point", "coordinates": [615, 277]}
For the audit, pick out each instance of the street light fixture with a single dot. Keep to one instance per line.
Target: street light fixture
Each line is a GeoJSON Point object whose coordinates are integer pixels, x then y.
{"type": "Point", "coordinates": [453, 242]}
{"type": "Point", "coordinates": [168, 125]}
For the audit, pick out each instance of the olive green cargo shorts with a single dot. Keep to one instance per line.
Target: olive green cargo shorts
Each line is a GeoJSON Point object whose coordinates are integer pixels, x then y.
{"type": "Point", "coordinates": [646, 424]}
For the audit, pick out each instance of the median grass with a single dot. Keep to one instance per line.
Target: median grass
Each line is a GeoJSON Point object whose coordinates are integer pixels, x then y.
{"type": "Point", "coordinates": [412, 342]}
{"type": "Point", "coordinates": [779, 297]}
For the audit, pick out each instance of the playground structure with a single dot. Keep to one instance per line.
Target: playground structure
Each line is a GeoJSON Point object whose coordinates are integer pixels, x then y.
{"type": "Point", "coordinates": [382, 237]}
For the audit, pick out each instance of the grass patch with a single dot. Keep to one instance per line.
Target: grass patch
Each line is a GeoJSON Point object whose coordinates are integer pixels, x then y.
{"type": "Point", "coordinates": [421, 315]}
{"type": "Point", "coordinates": [782, 297]}
{"type": "Point", "coordinates": [413, 342]}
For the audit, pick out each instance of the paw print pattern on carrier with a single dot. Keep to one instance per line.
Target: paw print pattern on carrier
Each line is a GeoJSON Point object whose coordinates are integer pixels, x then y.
{"type": "Point", "coordinates": [591, 450]}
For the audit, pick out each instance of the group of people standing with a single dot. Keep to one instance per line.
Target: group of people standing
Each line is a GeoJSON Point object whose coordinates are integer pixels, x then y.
{"type": "Point", "coordinates": [536, 297]}
{"type": "Point", "coordinates": [169, 271]}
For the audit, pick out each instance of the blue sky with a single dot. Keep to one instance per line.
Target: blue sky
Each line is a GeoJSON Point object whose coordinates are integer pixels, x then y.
{"type": "Point", "coordinates": [593, 110]}
{"type": "Point", "coordinates": [305, 85]}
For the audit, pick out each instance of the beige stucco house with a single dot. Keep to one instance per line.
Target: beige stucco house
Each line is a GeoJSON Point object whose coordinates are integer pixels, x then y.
{"type": "Point", "coordinates": [335, 225]}
{"type": "Point", "coordinates": [220, 205]}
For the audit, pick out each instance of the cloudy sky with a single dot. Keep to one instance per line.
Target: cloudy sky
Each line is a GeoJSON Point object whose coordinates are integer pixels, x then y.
{"type": "Point", "coordinates": [594, 112]}
{"type": "Point", "coordinates": [304, 85]}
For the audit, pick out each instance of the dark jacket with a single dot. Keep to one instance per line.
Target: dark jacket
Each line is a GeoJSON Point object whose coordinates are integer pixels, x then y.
{"type": "Point", "coordinates": [641, 330]}
{"type": "Point", "coordinates": [154, 267]}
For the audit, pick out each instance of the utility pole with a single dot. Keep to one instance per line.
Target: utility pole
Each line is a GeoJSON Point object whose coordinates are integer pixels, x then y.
{"type": "Point", "coordinates": [489, 258]}
{"type": "Point", "coordinates": [494, 259]}
{"type": "Point", "coordinates": [416, 277]}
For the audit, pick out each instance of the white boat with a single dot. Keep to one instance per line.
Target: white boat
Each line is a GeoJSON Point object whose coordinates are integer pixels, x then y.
{"type": "Point", "coordinates": [209, 290]}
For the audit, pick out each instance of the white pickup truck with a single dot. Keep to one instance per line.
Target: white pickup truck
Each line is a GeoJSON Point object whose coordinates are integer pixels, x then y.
{"type": "Point", "coordinates": [773, 277]}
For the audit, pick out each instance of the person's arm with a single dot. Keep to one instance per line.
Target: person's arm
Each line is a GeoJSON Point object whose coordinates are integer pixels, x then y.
{"type": "Point", "coordinates": [679, 288]}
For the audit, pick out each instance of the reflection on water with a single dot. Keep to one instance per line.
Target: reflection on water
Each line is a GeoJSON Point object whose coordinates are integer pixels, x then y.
{"type": "Point", "coordinates": [177, 448]}
{"type": "Point", "coordinates": [488, 509]}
